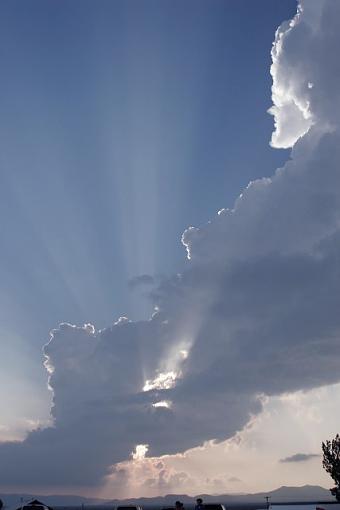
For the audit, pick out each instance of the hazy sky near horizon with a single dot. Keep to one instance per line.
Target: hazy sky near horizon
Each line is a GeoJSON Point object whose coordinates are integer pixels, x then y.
{"type": "Point", "coordinates": [124, 124]}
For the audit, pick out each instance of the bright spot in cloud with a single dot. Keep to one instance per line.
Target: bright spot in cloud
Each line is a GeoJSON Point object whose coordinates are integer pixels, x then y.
{"type": "Point", "coordinates": [140, 452]}
{"type": "Point", "coordinates": [163, 381]}
{"type": "Point", "coordinates": [163, 403]}
{"type": "Point", "coordinates": [184, 353]}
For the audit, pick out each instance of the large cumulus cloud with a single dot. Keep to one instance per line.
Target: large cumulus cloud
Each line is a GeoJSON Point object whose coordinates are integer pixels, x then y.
{"type": "Point", "coordinates": [306, 72]}
{"type": "Point", "coordinates": [101, 412]}
{"type": "Point", "coordinates": [256, 311]}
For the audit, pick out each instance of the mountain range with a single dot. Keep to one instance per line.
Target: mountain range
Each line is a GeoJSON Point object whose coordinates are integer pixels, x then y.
{"type": "Point", "coordinates": [282, 494]}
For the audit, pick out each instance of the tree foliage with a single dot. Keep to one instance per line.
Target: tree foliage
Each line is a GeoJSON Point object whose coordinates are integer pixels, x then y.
{"type": "Point", "coordinates": [331, 462]}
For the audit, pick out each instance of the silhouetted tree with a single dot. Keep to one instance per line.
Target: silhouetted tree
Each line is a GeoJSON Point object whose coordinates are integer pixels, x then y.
{"type": "Point", "coordinates": [331, 462]}
{"type": "Point", "coordinates": [1, 504]}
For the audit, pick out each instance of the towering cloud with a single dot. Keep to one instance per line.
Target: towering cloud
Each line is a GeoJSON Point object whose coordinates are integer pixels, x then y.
{"type": "Point", "coordinates": [256, 311]}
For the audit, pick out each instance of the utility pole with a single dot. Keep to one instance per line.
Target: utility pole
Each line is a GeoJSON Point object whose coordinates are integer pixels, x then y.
{"type": "Point", "coordinates": [267, 498]}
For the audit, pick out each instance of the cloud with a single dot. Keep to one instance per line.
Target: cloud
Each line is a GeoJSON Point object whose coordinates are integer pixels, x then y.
{"type": "Point", "coordinates": [147, 476]}
{"type": "Point", "coordinates": [254, 313]}
{"type": "Point", "coordinates": [300, 457]}
{"type": "Point", "coordinates": [101, 412]}
{"type": "Point", "coordinates": [234, 479]}
{"type": "Point", "coordinates": [305, 90]}
{"type": "Point", "coordinates": [166, 481]}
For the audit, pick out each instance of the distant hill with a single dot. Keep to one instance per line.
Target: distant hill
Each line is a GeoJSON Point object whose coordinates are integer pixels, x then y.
{"type": "Point", "coordinates": [304, 493]}
{"type": "Point", "coordinates": [280, 495]}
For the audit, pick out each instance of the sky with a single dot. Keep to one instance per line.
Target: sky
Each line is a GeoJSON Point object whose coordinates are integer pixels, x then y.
{"type": "Point", "coordinates": [180, 244]}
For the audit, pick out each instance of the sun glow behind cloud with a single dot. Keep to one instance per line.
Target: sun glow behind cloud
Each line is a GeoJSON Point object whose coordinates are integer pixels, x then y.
{"type": "Point", "coordinates": [163, 381]}
{"type": "Point", "coordinates": [309, 414]}
{"type": "Point", "coordinates": [163, 403]}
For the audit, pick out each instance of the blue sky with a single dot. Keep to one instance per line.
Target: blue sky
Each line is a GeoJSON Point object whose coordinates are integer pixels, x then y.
{"type": "Point", "coordinates": [122, 124]}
